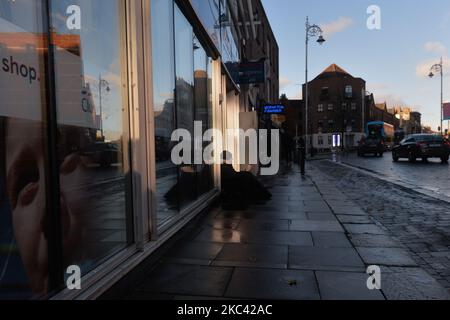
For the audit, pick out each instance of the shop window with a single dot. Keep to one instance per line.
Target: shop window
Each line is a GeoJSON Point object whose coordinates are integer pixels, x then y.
{"type": "Point", "coordinates": [203, 111]}
{"type": "Point", "coordinates": [229, 38]}
{"type": "Point", "coordinates": [93, 124]}
{"type": "Point", "coordinates": [184, 88]}
{"type": "Point", "coordinates": [182, 78]}
{"type": "Point", "coordinates": [209, 13]}
{"type": "Point", "coordinates": [163, 53]}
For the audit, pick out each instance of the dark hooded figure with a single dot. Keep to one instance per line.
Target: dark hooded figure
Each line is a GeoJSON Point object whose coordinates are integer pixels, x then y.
{"type": "Point", "coordinates": [240, 189]}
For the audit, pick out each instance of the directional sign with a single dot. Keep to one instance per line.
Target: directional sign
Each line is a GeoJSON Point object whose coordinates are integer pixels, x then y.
{"type": "Point", "coordinates": [274, 109]}
{"type": "Point", "coordinates": [447, 111]}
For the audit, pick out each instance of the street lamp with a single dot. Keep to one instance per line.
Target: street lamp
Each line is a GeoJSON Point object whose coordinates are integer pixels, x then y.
{"type": "Point", "coordinates": [311, 32]}
{"type": "Point", "coordinates": [102, 85]}
{"type": "Point", "coordinates": [365, 94]}
{"type": "Point", "coordinates": [439, 68]}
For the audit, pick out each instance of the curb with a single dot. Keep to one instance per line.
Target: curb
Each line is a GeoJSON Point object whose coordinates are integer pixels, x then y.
{"type": "Point", "coordinates": [402, 184]}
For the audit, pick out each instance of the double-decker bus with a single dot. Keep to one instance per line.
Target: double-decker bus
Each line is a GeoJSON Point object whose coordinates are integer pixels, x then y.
{"type": "Point", "coordinates": [383, 131]}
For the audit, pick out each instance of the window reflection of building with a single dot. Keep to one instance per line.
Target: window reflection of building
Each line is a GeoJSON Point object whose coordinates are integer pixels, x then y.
{"type": "Point", "coordinates": [178, 187]}
{"type": "Point", "coordinates": [93, 129]}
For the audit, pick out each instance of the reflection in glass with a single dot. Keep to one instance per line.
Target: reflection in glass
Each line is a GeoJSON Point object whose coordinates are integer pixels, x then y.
{"type": "Point", "coordinates": [23, 235]}
{"type": "Point", "coordinates": [164, 107]}
{"type": "Point", "coordinates": [229, 38]}
{"type": "Point", "coordinates": [90, 66]}
{"type": "Point", "coordinates": [203, 112]}
{"type": "Point", "coordinates": [182, 93]}
{"type": "Point", "coordinates": [209, 13]}
{"type": "Point", "coordinates": [184, 62]}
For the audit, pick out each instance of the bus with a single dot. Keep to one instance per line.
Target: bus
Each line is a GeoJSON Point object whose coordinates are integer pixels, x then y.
{"type": "Point", "coordinates": [382, 130]}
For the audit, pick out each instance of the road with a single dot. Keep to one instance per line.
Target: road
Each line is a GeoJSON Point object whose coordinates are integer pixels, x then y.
{"type": "Point", "coordinates": [419, 222]}
{"type": "Point", "coordinates": [432, 176]}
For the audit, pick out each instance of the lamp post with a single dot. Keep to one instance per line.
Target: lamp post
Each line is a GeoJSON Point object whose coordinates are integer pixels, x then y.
{"type": "Point", "coordinates": [102, 84]}
{"type": "Point", "coordinates": [439, 68]}
{"type": "Point", "coordinates": [311, 31]}
{"type": "Point", "coordinates": [365, 93]}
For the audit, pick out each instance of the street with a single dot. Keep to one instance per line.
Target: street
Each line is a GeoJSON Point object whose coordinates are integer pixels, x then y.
{"type": "Point", "coordinates": [419, 222]}
{"type": "Point", "coordinates": [432, 176]}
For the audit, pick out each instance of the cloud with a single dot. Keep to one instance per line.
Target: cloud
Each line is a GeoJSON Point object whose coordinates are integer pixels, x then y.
{"type": "Point", "coordinates": [336, 26]}
{"type": "Point", "coordinates": [382, 93]}
{"type": "Point", "coordinates": [392, 100]}
{"type": "Point", "coordinates": [423, 68]}
{"type": "Point", "coordinates": [377, 86]}
{"type": "Point", "coordinates": [436, 47]}
{"type": "Point", "coordinates": [284, 82]}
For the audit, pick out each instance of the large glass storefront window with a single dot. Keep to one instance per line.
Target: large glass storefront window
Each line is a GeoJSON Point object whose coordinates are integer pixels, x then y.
{"type": "Point", "coordinates": [93, 125]}
{"type": "Point", "coordinates": [182, 95]}
{"type": "Point", "coordinates": [229, 38]}
{"type": "Point", "coordinates": [163, 53]}
{"type": "Point", "coordinates": [209, 13]}
{"type": "Point", "coordinates": [23, 234]}
{"type": "Point", "coordinates": [184, 66]}
{"type": "Point", "coordinates": [203, 111]}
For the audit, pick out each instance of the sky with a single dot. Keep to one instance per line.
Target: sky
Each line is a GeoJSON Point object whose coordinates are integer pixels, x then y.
{"type": "Point", "coordinates": [394, 60]}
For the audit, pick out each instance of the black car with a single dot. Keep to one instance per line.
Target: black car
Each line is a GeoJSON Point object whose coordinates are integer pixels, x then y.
{"type": "Point", "coordinates": [103, 153]}
{"type": "Point", "coordinates": [422, 146]}
{"type": "Point", "coordinates": [372, 145]}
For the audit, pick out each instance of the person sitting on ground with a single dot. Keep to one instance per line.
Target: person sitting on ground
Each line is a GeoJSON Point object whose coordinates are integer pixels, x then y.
{"type": "Point", "coordinates": [240, 189]}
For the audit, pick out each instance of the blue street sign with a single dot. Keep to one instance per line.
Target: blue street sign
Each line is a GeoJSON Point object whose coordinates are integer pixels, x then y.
{"type": "Point", "coordinates": [274, 109]}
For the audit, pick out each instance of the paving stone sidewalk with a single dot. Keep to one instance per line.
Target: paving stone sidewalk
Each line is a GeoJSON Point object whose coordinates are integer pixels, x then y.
{"type": "Point", "coordinates": [309, 242]}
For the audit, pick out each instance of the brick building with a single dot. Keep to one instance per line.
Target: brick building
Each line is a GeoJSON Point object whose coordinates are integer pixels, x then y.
{"type": "Point", "coordinates": [336, 103]}
{"type": "Point", "coordinates": [380, 112]}
{"type": "Point", "coordinates": [339, 106]}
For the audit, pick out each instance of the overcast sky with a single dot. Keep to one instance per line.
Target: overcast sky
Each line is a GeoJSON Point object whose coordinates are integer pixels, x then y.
{"type": "Point", "coordinates": [394, 61]}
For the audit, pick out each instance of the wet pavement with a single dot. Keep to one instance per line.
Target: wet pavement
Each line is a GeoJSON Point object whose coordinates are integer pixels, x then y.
{"type": "Point", "coordinates": [309, 242]}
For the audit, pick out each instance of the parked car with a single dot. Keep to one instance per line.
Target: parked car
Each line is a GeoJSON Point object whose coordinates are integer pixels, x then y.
{"type": "Point", "coordinates": [372, 145]}
{"type": "Point", "coordinates": [423, 146]}
{"type": "Point", "coordinates": [103, 153]}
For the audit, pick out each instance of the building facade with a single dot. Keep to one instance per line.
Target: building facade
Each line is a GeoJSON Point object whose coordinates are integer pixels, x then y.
{"type": "Point", "coordinates": [409, 121]}
{"type": "Point", "coordinates": [336, 103]}
{"type": "Point", "coordinates": [91, 94]}
{"type": "Point", "coordinates": [380, 112]}
{"type": "Point", "coordinates": [416, 122]}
